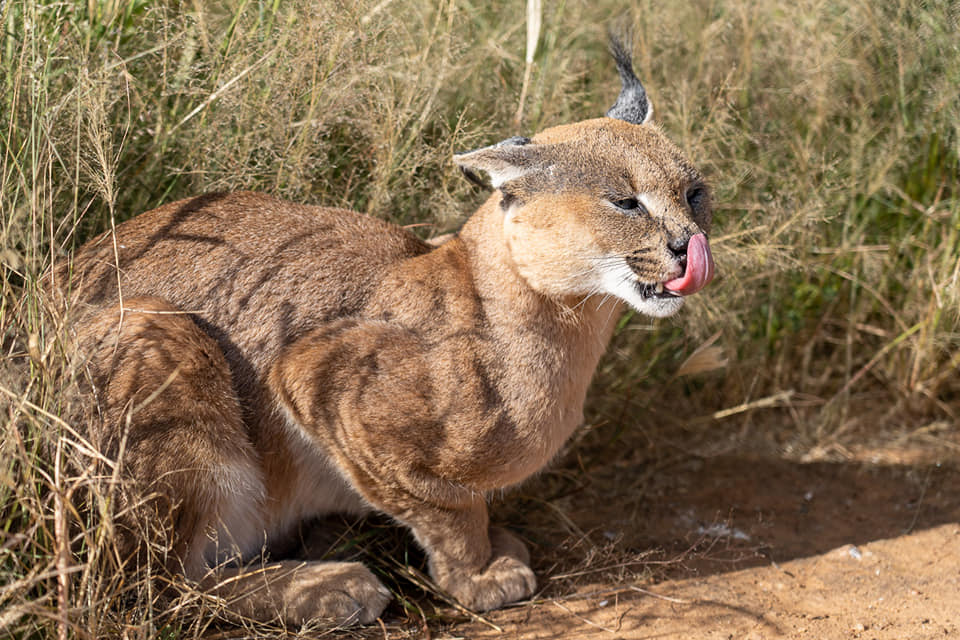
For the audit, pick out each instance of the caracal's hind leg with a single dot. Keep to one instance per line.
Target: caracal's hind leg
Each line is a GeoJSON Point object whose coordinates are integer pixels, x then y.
{"type": "Point", "coordinates": [166, 410]}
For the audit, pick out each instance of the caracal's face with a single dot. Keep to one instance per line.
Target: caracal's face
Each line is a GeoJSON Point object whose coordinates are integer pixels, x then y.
{"type": "Point", "coordinates": [604, 207]}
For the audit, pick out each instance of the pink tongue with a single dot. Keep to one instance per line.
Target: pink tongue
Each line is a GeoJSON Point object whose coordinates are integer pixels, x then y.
{"type": "Point", "coordinates": [699, 268]}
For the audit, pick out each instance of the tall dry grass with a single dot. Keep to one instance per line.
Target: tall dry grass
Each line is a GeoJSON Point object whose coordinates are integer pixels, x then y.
{"type": "Point", "coordinates": [829, 131]}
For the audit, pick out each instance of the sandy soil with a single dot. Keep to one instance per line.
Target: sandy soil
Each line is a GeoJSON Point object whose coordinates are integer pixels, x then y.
{"type": "Point", "coordinates": [746, 548]}
{"type": "Point", "coordinates": [907, 587]}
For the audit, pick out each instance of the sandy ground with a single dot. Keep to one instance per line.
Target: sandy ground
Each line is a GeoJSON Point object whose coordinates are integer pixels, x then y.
{"type": "Point", "coordinates": [747, 548]}
{"type": "Point", "coordinates": [906, 587]}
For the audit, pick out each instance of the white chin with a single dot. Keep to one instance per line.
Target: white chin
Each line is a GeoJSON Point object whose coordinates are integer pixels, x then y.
{"type": "Point", "coordinates": [657, 307]}
{"type": "Point", "coordinates": [621, 282]}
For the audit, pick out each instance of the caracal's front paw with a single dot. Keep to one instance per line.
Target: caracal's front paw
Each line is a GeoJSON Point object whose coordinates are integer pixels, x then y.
{"type": "Point", "coordinates": [506, 578]}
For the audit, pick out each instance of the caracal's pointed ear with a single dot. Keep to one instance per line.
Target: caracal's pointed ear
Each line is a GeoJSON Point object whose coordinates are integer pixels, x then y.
{"type": "Point", "coordinates": [503, 162]}
{"type": "Point", "coordinates": [632, 104]}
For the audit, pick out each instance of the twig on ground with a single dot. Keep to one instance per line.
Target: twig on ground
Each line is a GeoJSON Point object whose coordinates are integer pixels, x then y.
{"type": "Point", "coordinates": [582, 619]}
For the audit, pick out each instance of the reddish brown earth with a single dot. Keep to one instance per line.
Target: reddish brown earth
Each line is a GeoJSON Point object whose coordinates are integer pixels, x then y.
{"type": "Point", "coordinates": [746, 548]}
{"type": "Point", "coordinates": [907, 587]}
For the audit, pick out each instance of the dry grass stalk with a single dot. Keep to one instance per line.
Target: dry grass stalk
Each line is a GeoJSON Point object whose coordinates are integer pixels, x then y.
{"type": "Point", "coordinates": [534, 22]}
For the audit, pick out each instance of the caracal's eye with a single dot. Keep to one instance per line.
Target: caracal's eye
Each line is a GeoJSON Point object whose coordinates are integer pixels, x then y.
{"type": "Point", "coordinates": [630, 206]}
{"type": "Point", "coordinates": [696, 195]}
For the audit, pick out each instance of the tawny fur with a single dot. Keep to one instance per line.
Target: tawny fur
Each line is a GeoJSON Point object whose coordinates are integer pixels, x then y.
{"type": "Point", "coordinates": [270, 362]}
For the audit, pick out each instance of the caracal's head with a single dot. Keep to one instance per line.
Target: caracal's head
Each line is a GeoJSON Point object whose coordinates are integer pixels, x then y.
{"type": "Point", "coordinates": [604, 207]}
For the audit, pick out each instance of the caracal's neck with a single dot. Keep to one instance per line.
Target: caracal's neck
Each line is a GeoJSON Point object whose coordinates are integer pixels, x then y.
{"type": "Point", "coordinates": [550, 348]}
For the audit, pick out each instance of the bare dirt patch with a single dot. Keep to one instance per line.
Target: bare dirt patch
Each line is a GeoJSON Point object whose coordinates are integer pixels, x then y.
{"type": "Point", "coordinates": [746, 547]}
{"type": "Point", "coordinates": [907, 587]}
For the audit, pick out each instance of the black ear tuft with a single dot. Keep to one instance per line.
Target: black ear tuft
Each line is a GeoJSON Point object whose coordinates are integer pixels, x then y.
{"type": "Point", "coordinates": [632, 104]}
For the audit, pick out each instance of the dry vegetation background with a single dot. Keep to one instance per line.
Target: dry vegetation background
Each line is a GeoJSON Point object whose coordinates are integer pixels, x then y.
{"type": "Point", "coordinates": [829, 131]}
